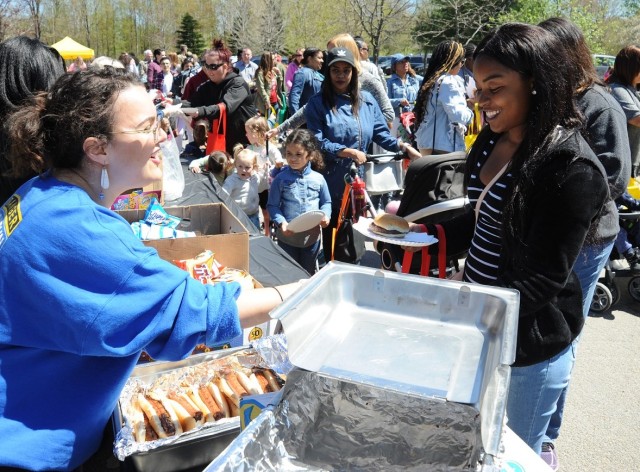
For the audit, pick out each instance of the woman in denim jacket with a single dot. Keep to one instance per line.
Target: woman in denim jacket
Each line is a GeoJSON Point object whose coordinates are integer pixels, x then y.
{"type": "Point", "coordinates": [308, 79]}
{"type": "Point", "coordinates": [346, 121]}
{"type": "Point", "coordinates": [403, 85]}
{"type": "Point", "coordinates": [298, 189]}
{"type": "Point", "coordinates": [441, 108]}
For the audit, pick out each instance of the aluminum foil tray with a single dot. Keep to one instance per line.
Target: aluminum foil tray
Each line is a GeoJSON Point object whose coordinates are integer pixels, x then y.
{"type": "Point", "coordinates": [192, 449]}
{"type": "Point", "coordinates": [410, 334]}
{"type": "Point", "coordinates": [327, 424]}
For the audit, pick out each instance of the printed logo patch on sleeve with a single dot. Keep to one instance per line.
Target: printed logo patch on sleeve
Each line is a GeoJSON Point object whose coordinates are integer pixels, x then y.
{"type": "Point", "coordinates": [11, 217]}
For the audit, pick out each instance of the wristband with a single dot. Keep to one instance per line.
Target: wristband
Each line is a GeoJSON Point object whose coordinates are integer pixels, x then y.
{"type": "Point", "coordinates": [279, 294]}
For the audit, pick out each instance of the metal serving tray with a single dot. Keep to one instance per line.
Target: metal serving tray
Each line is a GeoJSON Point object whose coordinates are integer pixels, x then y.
{"type": "Point", "coordinates": [411, 334]}
{"type": "Point", "coordinates": [190, 449]}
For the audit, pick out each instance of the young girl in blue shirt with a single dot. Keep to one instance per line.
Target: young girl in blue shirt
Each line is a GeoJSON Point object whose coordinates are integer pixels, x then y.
{"type": "Point", "coordinates": [297, 189]}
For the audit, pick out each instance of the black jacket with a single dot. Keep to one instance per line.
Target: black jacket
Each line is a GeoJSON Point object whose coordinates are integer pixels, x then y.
{"type": "Point", "coordinates": [234, 92]}
{"type": "Point", "coordinates": [562, 209]}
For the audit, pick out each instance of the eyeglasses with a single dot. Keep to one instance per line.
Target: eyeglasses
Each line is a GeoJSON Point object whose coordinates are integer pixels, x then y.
{"type": "Point", "coordinates": [364, 49]}
{"type": "Point", "coordinates": [212, 66]}
{"type": "Point", "coordinates": [155, 129]}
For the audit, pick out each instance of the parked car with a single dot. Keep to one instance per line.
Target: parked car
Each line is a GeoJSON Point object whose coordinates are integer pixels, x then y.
{"type": "Point", "coordinates": [602, 63]}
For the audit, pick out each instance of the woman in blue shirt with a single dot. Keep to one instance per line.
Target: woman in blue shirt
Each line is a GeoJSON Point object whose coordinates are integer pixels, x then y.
{"type": "Point", "coordinates": [308, 80]}
{"type": "Point", "coordinates": [442, 114]}
{"type": "Point", "coordinates": [81, 295]}
{"type": "Point", "coordinates": [346, 121]}
{"type": "Point", "coordinates": [403, 85]}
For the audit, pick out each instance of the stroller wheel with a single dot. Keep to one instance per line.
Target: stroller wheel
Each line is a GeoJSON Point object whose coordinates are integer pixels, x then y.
{"type": "Point", "coordinates": [634, 288]}
{"type": "Point", "coordinates": [615, 292]}
{"type": "Point", "coordinates": [602, 298]}
{"type": "Point", "coordinates": [387, 259]}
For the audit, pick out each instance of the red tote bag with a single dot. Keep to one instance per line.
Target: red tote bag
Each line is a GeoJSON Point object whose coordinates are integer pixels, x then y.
{"type": "Point", "coordinates": [217, 137]}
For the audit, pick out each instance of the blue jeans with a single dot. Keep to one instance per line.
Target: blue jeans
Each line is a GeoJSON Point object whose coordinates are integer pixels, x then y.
{"type": "Point", "coordinates": [590, 262]}
{"type": "Point", "coordinates": [533, 394]}
{"type": "Point", "coordinates": [305, 256]}
{"type": "Point", "coordinates": [622, 243]}
{"type": "Point", "coordinates": [255, 219]}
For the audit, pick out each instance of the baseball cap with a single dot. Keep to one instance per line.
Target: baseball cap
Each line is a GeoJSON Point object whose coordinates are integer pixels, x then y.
{"type": "Point", "coordinates": [340, 55]}
{"type": "Point", "coordinates": [398, 58]}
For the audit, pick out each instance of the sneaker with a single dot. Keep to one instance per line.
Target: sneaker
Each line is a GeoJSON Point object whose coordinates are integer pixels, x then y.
{"type": "Point", "coordinates": [633, 258]}
{"type": "Point", "coordinates": [550, 456]}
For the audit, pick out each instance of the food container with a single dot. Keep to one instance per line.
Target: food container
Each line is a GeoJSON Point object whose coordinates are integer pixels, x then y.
{"type": "Point", "coordinates": [417, 337]}
{"type": "Point", "coordinates": [191, 449]}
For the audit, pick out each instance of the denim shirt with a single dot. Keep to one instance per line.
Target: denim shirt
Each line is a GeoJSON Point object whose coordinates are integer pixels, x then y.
{"type": "Point", "coordinates": [296, 192]}
{"type": "Point", "coordinates": [339, 129]}
{"type": "Point", "coordinates": [306, 83]}
{"type": "Point", "coordinates": [446, 105]}
{"type": "Point", "coordinates": [397, 90]}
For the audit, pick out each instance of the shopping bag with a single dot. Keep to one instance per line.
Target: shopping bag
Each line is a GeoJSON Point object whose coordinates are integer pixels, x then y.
{"type": "Point", "coordinates": [282, 112]}
{"type": "Point", "coordinates": [272, 117]}
{"type": "Point", "coordinates": [383, 177]}
{"type": "Point", "coordinates": [348, 245]}
{"type": "Point", "coordinates": [474, 128]}
{"type": "Point", "coordinates": [217, 137]}
{"type": "Point", "coordinates": [172, 175]}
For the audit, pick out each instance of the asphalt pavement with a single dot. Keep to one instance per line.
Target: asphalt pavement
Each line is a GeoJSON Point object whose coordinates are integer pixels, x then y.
{"type": "Point", "coordinates": [601, 427]}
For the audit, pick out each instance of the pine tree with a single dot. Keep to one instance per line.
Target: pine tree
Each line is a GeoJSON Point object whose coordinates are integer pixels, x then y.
{"type": "Point", "coordinates": [189, 34]}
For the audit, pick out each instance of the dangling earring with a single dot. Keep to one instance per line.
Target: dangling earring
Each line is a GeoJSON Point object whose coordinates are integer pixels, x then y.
{"type": "Point", "coordinates": [104, 182]}
{"type": "Point", "coordinates": [533, 92]}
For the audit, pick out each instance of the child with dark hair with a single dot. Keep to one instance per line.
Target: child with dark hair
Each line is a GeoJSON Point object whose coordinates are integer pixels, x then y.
{"type": "Point", "coordinates": [218, 163]}
{"type": "Point", "coordinates": [298, 189]}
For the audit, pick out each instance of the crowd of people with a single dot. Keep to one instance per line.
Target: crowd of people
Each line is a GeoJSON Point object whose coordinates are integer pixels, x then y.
{"type": "Point", "coordinates": [74, 138]}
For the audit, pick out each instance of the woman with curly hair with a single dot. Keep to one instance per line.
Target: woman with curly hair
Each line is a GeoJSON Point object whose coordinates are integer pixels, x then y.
{"type": "Point", "coordinates": [441, 107]}
{"type": "Point", "coordinates": [226, 87]}
{"type": "Point", "coordinates": [87, 316]}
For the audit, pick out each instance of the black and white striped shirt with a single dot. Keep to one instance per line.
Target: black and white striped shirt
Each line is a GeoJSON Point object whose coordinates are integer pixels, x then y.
{"type": "Point", "coordinates": [481, 265]}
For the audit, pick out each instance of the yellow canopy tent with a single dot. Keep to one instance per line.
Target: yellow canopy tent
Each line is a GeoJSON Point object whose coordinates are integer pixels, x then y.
{"type": "Point", "coordinates": [69, 49]}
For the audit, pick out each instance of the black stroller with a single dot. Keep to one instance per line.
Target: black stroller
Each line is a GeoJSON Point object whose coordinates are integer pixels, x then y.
{"type": "Point", "coordinates": [607, 292]}
{"type": "Point", "coordinates": [433, 193]}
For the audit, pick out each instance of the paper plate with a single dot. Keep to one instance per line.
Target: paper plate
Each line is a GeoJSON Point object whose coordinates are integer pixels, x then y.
{"type": "Point", "coordinates": [410, 239]}
{"type": "Point", "coordinates": [306, 221]}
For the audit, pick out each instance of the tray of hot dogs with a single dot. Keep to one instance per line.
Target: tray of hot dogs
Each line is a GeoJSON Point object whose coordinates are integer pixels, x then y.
{"type": "Point", "coordinates": [174, 416]}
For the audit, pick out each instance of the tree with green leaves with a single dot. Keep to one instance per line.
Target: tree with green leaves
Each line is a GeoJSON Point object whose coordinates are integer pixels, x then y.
{"type": "Point", "coordinates": [189, 34]}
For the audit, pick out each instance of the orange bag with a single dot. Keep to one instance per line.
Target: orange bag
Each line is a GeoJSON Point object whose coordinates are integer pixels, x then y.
{"type": "Point", "coordinates": [217, 137]}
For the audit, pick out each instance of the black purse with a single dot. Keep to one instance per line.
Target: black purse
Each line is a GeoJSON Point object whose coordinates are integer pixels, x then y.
{"type": "Point", "coordinates": [349, 244]}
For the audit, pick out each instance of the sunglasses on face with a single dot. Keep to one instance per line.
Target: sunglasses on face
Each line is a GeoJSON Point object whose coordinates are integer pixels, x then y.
{"type": "Point", "coordinates": [212, 66]}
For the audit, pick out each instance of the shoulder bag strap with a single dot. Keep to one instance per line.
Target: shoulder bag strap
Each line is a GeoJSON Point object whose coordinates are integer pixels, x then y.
{"type": "Point", "coordinates": [486, 189]}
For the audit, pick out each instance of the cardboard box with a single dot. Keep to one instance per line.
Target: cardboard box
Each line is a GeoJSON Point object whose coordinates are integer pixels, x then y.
{"type": "Point", "coordinates": [217, 228]}
{"type": "Point", "coordinates": [219, 231]}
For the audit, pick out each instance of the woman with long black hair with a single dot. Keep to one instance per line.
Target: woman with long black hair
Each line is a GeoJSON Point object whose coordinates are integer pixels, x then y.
{"type": "Point", "coordinates": [346, 120]}
{"type": "Point", "coordinates": [308, 79]}
{"type": "Point", "coordinates": [529, 214]}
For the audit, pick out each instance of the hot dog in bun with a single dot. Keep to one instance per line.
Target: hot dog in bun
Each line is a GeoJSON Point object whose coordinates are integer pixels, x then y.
{"type": "Point", "coordinates": [390, 226]}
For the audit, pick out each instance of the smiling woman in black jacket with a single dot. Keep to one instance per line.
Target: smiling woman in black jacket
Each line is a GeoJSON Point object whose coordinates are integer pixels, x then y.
{"type": "Point", "coordinates": [545, 191]}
